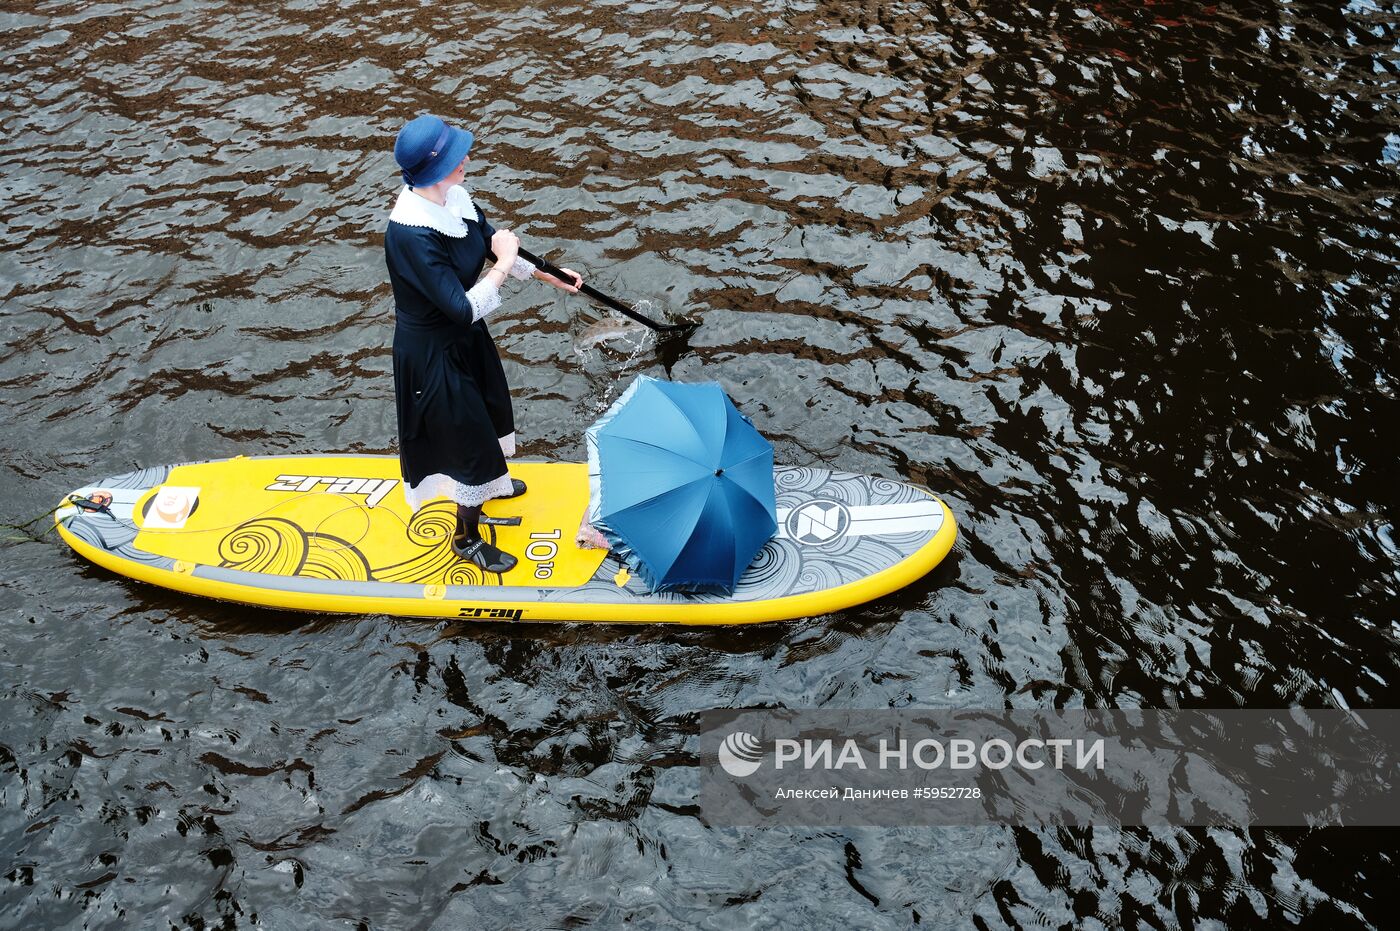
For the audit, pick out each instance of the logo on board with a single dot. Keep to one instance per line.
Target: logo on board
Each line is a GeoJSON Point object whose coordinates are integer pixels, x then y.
{"type": "Point", "coordinates": [818, 522]}
{"type": "Point", "coordinates": [169, 508]}
{"type": "Point", "coordinates": [373, 489]}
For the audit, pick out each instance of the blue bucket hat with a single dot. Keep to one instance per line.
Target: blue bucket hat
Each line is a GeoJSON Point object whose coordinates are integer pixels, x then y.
{"type": "Point", "coordinates": [427, 150]}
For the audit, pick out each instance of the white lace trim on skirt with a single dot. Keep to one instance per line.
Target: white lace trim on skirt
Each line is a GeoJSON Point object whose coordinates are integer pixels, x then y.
{"type": "Point", "coordinates": [439, 485]}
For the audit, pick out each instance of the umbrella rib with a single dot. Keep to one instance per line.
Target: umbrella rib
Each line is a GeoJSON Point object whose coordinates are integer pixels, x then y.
{"type": "Point", "coordinates": [642, 442]}
{"type": "Point", "coordinates": [659, 494]}
{"type": "Point", "coordinates": [758, 455]}
{"type": "Point", "coordinates": [685, 419]}
{"type": "Point", "coordinates": [741, 462]}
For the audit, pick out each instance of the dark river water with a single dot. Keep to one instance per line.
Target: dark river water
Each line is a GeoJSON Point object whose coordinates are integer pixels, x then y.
{"type": "Point", "coordinates": [1116, 279]}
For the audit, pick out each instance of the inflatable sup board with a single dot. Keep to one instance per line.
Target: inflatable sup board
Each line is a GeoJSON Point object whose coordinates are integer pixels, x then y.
{"type": "Point", "coordinates": [334, 534]}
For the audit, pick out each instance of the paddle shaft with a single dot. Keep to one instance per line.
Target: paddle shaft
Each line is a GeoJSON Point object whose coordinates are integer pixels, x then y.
{"type": "Point", "coordinates": [550, 268]}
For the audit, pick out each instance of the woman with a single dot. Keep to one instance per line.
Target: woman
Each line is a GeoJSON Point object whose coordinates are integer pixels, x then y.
{"type": "Point", "coordinates": [456, 427]}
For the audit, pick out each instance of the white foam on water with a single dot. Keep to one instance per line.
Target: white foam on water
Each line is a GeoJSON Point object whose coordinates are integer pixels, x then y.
{"type": "Point", "coordinates": [616, 348]}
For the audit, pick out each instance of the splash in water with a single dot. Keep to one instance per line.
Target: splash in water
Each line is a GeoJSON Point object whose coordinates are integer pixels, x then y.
{"type": "Point", "coordinates": [614, 349]}
{"type": "Point", "coordinates": [617, 334]}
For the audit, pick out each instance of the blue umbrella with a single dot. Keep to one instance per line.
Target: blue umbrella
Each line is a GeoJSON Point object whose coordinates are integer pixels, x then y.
{"type": "Point", "coordinates": [682, 485]}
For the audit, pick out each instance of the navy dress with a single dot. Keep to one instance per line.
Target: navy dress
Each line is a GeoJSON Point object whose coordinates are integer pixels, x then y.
{"type": "Point", "coordinates": [454, 412]}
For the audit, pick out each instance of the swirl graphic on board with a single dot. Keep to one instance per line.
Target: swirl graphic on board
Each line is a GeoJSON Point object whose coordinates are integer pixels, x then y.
{"type": "Point", "coordinates": [277, 546]}
{"type": "Point", "coordinates": [336, 560]}
{"type": "Point", "coordinates": [773, 571]}
{"type": "Point", "coordinates": [270, 545]}
{"type": "Point", "coordinates": [433, 525]}
{"type": "Point", "coordinates": [798, 480]}
{"type": "Point", "coordinates": [431, 530]}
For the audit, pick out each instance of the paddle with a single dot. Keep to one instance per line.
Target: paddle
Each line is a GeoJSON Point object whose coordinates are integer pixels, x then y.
{"type": "Point", "coordinates": [548, 267]}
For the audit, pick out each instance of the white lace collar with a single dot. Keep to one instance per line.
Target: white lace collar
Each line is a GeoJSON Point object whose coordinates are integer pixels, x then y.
{"type": "Point", "coordinates": [416, 210]}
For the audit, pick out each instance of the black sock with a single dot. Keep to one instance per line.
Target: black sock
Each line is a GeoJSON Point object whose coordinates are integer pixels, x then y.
{"type": "Point", "coordinates": [467, 520]}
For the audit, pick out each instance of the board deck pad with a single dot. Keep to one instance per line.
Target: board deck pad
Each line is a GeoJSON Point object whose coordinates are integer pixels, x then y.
{"type": "Point", "coordinates": [335, 534]}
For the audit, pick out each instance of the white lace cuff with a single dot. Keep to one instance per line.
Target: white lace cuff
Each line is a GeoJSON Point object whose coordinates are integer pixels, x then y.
{"type": "Point", "coordinates": [484, 297]}
{"type": "Point", "coordinates": [522, 269]}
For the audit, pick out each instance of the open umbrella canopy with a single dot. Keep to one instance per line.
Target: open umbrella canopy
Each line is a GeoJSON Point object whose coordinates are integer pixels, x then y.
{"type": "Point", "coordinates": [682, 485]}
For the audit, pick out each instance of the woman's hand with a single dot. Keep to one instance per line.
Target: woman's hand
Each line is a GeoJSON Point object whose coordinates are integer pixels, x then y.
{"type": "Point", "coordinates": [570, 286]}
{"type": "Point", "coordinates": [506, 245]}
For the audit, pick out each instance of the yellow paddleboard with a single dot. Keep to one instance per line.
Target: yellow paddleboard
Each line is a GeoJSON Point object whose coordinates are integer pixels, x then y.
{"type": "Point", "coordinates": [334, 534]}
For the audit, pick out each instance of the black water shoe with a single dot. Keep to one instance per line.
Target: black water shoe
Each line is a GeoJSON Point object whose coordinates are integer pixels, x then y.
{"type": "Point", "coordinates": [483, 555]}
{"type": "Point", "coordinates": [517, 488]}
